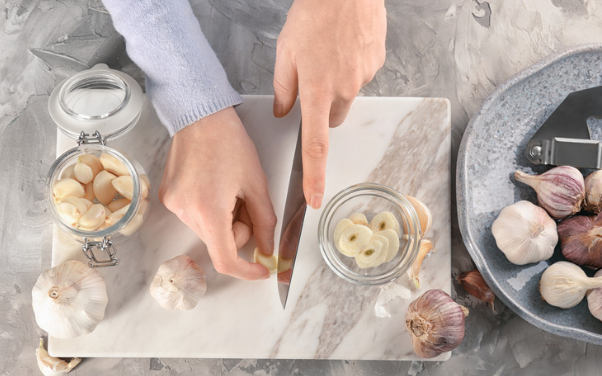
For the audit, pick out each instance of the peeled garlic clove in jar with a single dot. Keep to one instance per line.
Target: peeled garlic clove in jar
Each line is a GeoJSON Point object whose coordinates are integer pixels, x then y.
{"type": "Point", "coordinates": [393, 243]}
{"type": "Point", "coordinates": [178, 284]}
{"type": "Point", "coordinates": [89, 191]}
{"type": "Point", "coordinates": [83, 173]}
{"type": "Point", "coordinates": [124, 185]}
{"type": "Point", "coordinates": [560, 191]}
{"type": "Point", "coordinates": [68, 172]}
{"type": "Point", "coordinates": [69, 300]}
{"type": "Point", "coordinates": [113, 165]}
{"type": "Point", "coordinates": [93, 161]}
{"type": "Point", "coordinates": [581, 240]}
{"type": "Point", "coordinates": [436, 323]}
{"type": "Point", "coordinates": [373, 253]}
{"type": "Point", "coordinates": [359, 219]}
{"type": "Point", "coordinates": [593, 192]}
{"type": "Point", "coordinates": [103, 189]}
{"type": "Point", "coordinates": [353, 239]}
{"type": "Point", "coordinates": [67, 187]}
{"type": "Point", "coordinates": [69, 213]}
{"type": "Point", "coordinates": [423, 212]}
{"type": "Point", "coordinates": [118, 204]}
{"type": "Point", "coordinates": [133, 226]}
{"type": "Point", "coordinates": [525, 233]}
{"type": "Point", "coordinates": [93, 218]}
{"type": "Point", "coordinates": [51, 366]}
{"type": "Point", "coordinates": [81, 204]}
{"type": "Point", "coordinates": [269, 262]}
{"type": "Point", "coordinates": [564, 284]}
{"type": "Point", "coordinates": [594, 299]}
{"type": "Point", "coordinates": [385, 221]}
{"type": "Point", "coordinates": [117, 215]}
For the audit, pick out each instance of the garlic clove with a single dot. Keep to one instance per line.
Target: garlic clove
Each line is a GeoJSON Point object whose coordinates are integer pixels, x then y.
{"type": "Point", "coordinates": [113, 165]}
{"type": "Point", "coordinates": [373, 253]}
{"type": "Point", "coordinates": [51, 366]}
{"type": "Point", "coordinates": [93, 218]}
{"type": "Point", "coordinates": [124, 185]}
{"type": "Point", "coordinates": [564, 284]}
{"type": "Point", "coordinates": [69, 300]}
{"type": "Point", "coordinates": [424, 214]}
{"type": "Point", "coordinates": [426, 246]}
{"type": "Point", "coordinates": [118, 204]}
{"type": "Point", "coordinates": [68, 213]}
{"type": "Point", "coordinates": [593, 192]}
{"type": "Point", "coordinates": [594, 299]}
{"type": "Point", "coordinates": [284, 265]}
{"type": "Point", "coordinates": [359, 219]}
{"type": "Point", "coordinates": [343, 225]}
{"type": "Point", "coordinates": [83, 173]}
{"type": "Point", "coordinates": [67, 187]}
{"type": "Point", "coordinates": [269, 262]}
{"type": "Point", "coordinates": [560, 191]}
{"type": "Point", "coordinates": [385, 221]}
{"type": "Point", "coordinates": [353, 239]}
{"type": "Point", "coordinates": [525, 233]}
{"type": "Point", "coordinates": [87, 202]}
{"type": "Point", "coordinates": [581, 240]}
{"type": "Point", "coordinates": [178, 284]}
{"type": "Point", "coordinates": [117, 215]}
{"type": "Point", "coordinates": [436, 323]}
{"type": "Point", "coordinates": [81, 204]}
{"type": "Point", "coordinates": [93, 161]}
{"type": "Point", "coordinates": [393, 240]}
{"type": "Point", "coordinates": [473, 283]}
{"type": "Point", "coordinates": [68, 172]}
{"type": "Point", "coordinates": [103, 189]}
{"type": "Point", "coordinates": [89, 191]}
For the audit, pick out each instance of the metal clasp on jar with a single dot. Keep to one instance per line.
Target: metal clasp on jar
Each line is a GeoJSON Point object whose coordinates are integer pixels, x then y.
{"type": "Point", "coordinates": [96, 138]}
{"type": "Point", "coordinates": [106, 246]}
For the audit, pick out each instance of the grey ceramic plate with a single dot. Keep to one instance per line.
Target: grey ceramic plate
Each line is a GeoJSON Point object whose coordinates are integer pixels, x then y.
{"type": "Point", "coordinates": [491, 150]}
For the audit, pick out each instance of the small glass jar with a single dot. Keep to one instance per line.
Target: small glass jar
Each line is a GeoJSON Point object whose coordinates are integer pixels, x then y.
{"type": "Point", "coordinates": [369, 199]}
{"type": "Point", "coordinates": [94, 107]}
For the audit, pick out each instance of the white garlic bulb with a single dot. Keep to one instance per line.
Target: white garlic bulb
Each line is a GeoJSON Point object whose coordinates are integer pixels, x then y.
{"type": "Point", "coordinates": [525, 233]}
{"type": "Point", "coordinates": [51, 366]}
{"type": "Point", "coordinates": [179, 283]}
{"type": "Point", "coordinates": [564, 284]}
{"type": "Point", "coordinates": [69, 300]}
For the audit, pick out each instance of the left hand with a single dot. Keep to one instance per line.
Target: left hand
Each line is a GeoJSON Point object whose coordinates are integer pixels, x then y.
{"type": "Point", "coordinates": [327, 50]}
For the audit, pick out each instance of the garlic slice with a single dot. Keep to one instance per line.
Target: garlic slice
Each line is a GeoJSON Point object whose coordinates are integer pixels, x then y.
{"type": "Point", "coordinates": [385, 221]}
{"type": "Point", "coordinates": [343, 225]}
{"type": "Point", "coordinates": [179, 284]}
{"type": "Point", "coordinates": [269, 262]}
{"type": "Point", "coordinates": [67, 187]}
{"type": "Point", "coordinates": [113, 165]}
{"type": "Point", "coordinates": [103, 189]}
{"type": "Point", "coordinates": [69, 300]}
{"type": "Point", "coordinates": [353, 239]}
{"type": "Point", "coordinates": [359, 219]}
{"type": "Point", "coordinates": [393, 240]}
{"type": "Point", "coordinates": [51, 366]}
{"type": "Point", "coordinates": [374, 253]}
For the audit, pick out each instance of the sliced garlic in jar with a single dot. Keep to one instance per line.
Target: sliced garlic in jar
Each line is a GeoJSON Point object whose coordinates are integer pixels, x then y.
{"type": "Point", "coordinates": [373, 253]}
{"type": "Point", "coordinates": [124, 186]}
{"type": "Point", "coordinates": [103, 189]}
{"type": "Point", "coordinates": [118, 204]}
{"type": "Point", "coordinates": [343, 225]}
{"type": "Point", "coordinates": [93, 218]}
{"type": "Point", "coordinates": [393, 240]}
{"type": "Point", "coordinates": [269, 262]}
{"type": "Point", "coordinates": [113, 165]}
{"type": "Point", "coordinates": [353, 239]}
{"type": "Point", "coordinates": [67, 187]}
{"type": "Point", "coordinates": [359, 219]}
{"type": "Point", "coordinates": [385, 221]}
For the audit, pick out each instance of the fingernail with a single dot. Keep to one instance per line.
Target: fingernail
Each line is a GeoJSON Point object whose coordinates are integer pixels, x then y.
{"type": "Point", "coordinates": [278, 109]}
{"type": "Point", "coordinates": [315, 201]}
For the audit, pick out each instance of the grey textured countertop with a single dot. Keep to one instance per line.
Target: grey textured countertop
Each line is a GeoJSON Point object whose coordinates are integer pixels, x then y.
{"type": "Point", "coordinates": [459, 49]}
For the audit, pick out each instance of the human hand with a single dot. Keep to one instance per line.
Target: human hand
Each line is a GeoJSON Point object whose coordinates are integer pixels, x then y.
{"type": "Point", "coordinates": [214, 183]}
{"type": "Point", "coordinates": [327, 50]}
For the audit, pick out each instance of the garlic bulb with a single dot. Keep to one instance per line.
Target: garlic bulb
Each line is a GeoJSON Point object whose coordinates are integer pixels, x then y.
{"type": "Point", "coordinates": [69, 300]}
{"type": "Point", "coordinates": [472, 281]}
{"type": "Point", "coordinates": [525, 233]}
{"type": "Point", "coordinates": [51, 366]}
{"type": "Point", "coordinates": [179, 283]}
{"type": "Point", "coordinates": [436, 323]}
{"type": "Point", "coordinates": [593, 192]}
{"type": "Point", "coordinates": [581, 240]}
{"type": "Point", "coordinates": [560, 191]}
{"type": "Point", "coordinates": [564, 284]}
{"type": "Point", "coordinates": [426, 246]}
{"type": "Point", "coordinates": [594, 299]}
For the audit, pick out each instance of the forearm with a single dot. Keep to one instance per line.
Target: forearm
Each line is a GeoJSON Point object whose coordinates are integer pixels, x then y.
{"type": "Point", "coordinates": [184, 78]}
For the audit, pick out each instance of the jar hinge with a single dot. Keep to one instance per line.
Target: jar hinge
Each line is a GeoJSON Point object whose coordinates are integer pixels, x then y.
{"type": "Point", "coordinates": [96, 138]}
{"type": "Point", "coordinates": [105, 246]}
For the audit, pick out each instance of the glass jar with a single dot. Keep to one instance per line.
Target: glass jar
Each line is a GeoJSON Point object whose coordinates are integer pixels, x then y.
{"type": "Point", "coordinates": [94, 107]}
{"type": "Point", "coordinates": [369, 199]}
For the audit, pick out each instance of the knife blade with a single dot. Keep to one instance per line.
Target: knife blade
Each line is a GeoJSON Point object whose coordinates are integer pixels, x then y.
{"type": "Point", "coordinates": [292, 224]}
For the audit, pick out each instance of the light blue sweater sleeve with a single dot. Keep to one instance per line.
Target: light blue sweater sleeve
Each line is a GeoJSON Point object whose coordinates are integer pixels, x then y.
{"type": "Point", "coordinates": [184, 78]}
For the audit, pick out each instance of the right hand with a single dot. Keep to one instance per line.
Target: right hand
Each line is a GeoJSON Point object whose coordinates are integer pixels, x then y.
{"type": "Point", "coordinates": [214, 183]}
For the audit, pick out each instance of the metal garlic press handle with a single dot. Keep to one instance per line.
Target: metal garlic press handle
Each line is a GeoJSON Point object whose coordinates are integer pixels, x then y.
{"type": "Point", "coordinates": [564, 138]}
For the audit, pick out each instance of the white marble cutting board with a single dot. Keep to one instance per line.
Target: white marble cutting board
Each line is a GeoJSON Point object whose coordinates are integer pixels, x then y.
{"type": "Point", "coordinates": [400, 142]}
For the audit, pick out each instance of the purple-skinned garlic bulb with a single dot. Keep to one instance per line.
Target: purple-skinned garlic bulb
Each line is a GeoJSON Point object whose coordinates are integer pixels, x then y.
{"type": "Point", "coordinates": [593, 192]}
{"type": "Point", "coordinates": [581, 240]}
{"type": "Point", "coordinates": [560, 191]}
{"type": "Point", "coordinates": [436, 323]}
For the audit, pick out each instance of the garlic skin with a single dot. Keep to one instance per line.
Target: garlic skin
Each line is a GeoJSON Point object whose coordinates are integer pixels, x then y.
{"type": "Point", "coordinates": [593, 192]}
{"type": "Point", "coordinates": [560, 191]}
{"type": "Point", "coordinates": [525, 233]}
{"type": "Point", "coordinates": [564, 284]}
{"type": "Point", "coordinates": [69, 300]}
{"type": "Point", "coordinates": [594, 299]}
{"type": "Point", "coordinates": [51, 366]}
{"type": "Point", "coordinates": [178, 284]}
{"type": "Point", "coordinates": [436, 323]}
{"type": "Point", "coordinates": [581, 240]}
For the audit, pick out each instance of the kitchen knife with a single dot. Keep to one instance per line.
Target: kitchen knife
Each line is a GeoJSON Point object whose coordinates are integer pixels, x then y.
{"type": "Point", "coordinates": [564, 138]}
{"type": "Point", "coordinates": [292, 225]}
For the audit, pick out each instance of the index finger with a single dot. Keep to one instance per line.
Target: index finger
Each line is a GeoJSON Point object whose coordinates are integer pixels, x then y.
{"type": "Point", "coordinates": [315, 112]}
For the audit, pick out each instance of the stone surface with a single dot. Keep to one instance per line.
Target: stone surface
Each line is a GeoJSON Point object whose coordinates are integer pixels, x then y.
{"type": "Point", "coordinates": [459, 49]}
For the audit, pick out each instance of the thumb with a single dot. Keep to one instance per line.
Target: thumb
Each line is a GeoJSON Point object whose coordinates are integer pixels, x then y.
{"type": "Point", "coordinates": [285, 85]}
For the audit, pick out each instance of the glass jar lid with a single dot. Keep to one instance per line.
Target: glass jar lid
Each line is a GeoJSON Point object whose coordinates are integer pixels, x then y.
{"type": "Point", "coordinates": [99, 99]}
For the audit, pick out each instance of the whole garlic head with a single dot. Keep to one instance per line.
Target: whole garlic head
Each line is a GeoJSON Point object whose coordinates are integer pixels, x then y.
{"type": "Point", "coordinates": [69, 300]}
{"type": "Point", "coordinates": [564, 284]}
{"type": "Point", "coordinates": [525, 233]}
{"type": "Point", "coordinates": [179, 283]}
